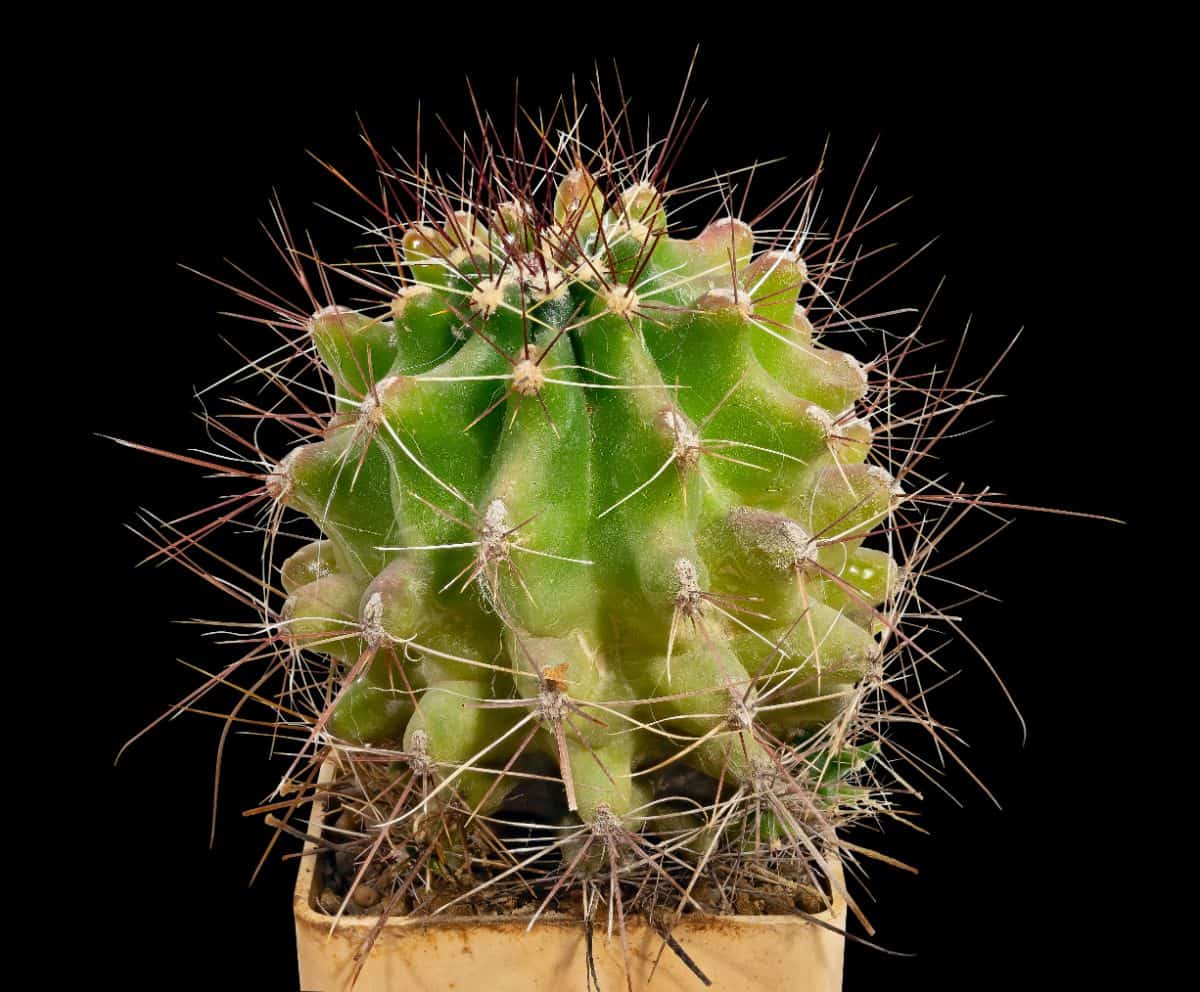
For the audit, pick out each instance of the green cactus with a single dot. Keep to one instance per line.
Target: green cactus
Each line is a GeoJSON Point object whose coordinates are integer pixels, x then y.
{"type": "Point", "coordinates": [592, 482]}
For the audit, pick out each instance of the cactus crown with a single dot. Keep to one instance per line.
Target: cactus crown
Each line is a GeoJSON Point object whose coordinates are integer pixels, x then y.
{"type": "Point", "coordinates": [609, 550]}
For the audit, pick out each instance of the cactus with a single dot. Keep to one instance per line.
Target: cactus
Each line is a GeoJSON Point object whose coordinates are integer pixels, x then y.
{"type": "Point", "coordinates": [582, 480]}
{"type": "Point", "coordinates": [607, 551]}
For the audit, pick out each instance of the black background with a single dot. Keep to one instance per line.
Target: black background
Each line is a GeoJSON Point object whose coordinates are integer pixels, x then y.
{"type": "Point", "coordinates": [1014, 159]}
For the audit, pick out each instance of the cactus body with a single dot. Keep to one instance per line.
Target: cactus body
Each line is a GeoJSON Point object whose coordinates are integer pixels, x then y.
{"type": "Point", "coordinates": [592, 494]}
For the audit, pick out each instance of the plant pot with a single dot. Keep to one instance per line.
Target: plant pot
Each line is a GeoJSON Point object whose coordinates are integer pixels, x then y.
{"type": "Point", "coordinates": [736, 953]}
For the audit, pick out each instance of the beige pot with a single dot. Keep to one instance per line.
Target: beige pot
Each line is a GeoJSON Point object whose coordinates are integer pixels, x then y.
{"type": "Point", "coordinates": [413, 954]}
